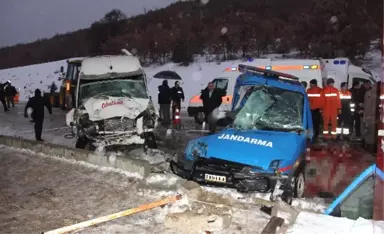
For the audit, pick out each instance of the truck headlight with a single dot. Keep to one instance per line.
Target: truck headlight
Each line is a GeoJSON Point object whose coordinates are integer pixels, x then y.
{"type": "Point", "coordinates": [195, 149]}
{"type": "Point", "coordinates": [275, 164]}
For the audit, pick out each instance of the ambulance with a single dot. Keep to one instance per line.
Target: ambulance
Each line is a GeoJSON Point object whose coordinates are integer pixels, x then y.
{"type": "Point", "coordinates": [340, 69]}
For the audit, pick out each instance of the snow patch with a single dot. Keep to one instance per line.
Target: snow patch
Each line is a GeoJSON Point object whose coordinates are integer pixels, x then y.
{"type": "Point", "coordinates": [320, 224]}
{"type": "Point", "coordinates": [85, 164]}
{"type": "Point", "coordinates": [163, 179]}
{"type": "Point", "coordinates": [317, 205]}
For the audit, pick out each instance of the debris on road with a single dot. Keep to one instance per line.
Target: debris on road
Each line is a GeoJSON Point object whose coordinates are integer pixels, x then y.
{"type": "Point", "coordinates": [115, 215]}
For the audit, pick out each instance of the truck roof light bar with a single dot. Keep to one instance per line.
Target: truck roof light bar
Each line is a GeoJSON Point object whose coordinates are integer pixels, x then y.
{"type": "Point", "coordinates": [267, 72]}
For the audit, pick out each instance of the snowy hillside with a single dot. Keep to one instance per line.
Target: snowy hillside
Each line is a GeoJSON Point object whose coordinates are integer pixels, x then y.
{"type": "Point", "coordinates": [195, 76]}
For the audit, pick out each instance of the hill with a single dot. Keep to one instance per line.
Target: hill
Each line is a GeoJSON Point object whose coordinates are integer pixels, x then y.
{"type": "Point", "coordinates": [226, 28]}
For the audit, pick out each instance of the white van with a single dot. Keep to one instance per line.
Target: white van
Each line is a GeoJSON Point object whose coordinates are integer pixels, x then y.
{"type": "Point", "coordinates": [112, 106]}
{"type": "Point", "coordinates": [340, 69]}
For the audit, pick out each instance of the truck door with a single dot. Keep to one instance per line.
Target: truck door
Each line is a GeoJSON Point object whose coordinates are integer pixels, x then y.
{"type": "Point", "coordinates": [222, 84]}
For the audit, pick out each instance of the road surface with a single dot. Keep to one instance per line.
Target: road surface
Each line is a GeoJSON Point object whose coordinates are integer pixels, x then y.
{"type": "Point", "coordinates": [40, 194]}
{"type": "Point", "coordinates": [13, 123]}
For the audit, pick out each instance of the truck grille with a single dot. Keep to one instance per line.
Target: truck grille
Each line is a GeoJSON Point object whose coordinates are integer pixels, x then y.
{"type": "Point", "coordinates": [215, 164]}
{"type": "Point", "coordinates": [116, 124]}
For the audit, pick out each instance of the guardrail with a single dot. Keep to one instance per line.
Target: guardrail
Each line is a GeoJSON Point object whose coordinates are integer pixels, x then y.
{"type": "Point", "coordinates": [131, 165]}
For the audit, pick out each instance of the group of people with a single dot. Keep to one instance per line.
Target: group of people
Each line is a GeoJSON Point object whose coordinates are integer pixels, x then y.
{"type": "Point", "coordinates": [343, 109]}
{"type": "Point", "coordinates": [7, 95]}
{"type": "Point", "coordinates": [169, 98]}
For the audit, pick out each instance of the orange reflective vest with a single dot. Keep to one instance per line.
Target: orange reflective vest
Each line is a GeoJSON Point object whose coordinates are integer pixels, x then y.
{"type": "Point", "coordinates": [316, 101]}
{"type": "Point", "coordinates": [332, 101]}
{"type": "Point", "coordinates": [346, 101]}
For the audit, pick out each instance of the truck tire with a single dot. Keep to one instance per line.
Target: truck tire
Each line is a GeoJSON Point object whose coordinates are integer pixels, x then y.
{"type": "Point", "coordinates": [85, 144]}
{"type": "Point", "coordinates": [150, 140]}
{"type": "Point", "coordinates": [80, 143]}
{"type": "Point", "coordinates": [299, 185]}
{"type": "Point", "coordinates": [199, 117]}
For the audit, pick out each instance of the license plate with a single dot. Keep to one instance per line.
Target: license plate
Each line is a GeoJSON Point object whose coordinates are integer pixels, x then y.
{"type": "Point", "coordinates": [215, 178]}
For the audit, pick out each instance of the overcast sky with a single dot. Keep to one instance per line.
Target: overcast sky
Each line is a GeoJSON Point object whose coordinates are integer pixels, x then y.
{"type": "Point", "coordinates": [27, 20]}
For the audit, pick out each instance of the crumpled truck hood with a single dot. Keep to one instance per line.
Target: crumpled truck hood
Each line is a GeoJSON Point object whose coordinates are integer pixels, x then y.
{"type": "Point", "coordinates": [255, 148]}
{"type": "Point", "coordinates": [99, 109]}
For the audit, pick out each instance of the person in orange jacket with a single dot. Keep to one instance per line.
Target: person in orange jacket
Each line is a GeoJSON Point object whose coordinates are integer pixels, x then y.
{"type": "Point", "coordinates": [316, 102]}
{"type": "Point", "coordinates": [331, 108]}
{"type": "Point", "coordinates": [344, 121]}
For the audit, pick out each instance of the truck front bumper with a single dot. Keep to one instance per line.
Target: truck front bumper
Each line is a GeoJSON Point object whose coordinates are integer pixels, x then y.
{"type": "Point", "coordinates": [228, 174]}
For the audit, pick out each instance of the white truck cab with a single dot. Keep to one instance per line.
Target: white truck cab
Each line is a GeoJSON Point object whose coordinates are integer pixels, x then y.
{"type": "Point", "coordinates": [112, 106]}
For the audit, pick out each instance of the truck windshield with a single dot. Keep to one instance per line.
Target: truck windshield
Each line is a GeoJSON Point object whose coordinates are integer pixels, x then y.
{"type": "Point", "coordinates": [132, 87]}
{"type": "Point", "coordinates": [270, 108]}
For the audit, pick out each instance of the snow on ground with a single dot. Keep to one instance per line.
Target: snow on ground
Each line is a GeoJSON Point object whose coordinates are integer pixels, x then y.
{"type": "Point", "coordinates": [68, 193]}
{"type": "Point", "coordinates": [31, 77]}
{"type": "Point", "coordinates": [319, 224]}
{"type": "Point", "coordinates": [317, 205]}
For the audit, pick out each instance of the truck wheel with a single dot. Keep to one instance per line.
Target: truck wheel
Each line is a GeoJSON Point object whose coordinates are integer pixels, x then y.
{"type": "Point", "coordinates": [199, 117]}
{"type": "Point", "coordinates": [85, 144]}
{"type": "Point", "coordinates": [150, 140]}
{"type": "Point", "coordinates": [299, 185]}
{"type": "Point", "coordinates": [81, 143]}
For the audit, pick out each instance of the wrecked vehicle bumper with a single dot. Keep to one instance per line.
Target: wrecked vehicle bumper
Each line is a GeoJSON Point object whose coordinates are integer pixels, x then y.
{"type": "Point", "coordinates": [212, 171]}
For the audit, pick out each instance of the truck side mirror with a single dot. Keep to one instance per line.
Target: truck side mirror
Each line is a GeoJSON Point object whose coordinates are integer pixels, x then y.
{"type": "Point", "coordinates": [61, 69]}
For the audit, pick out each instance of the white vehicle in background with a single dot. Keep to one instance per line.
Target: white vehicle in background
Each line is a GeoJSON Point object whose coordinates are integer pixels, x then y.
{"type": "Point", "coordinates": [340, 69]}
{"type": "Point", "coordinates": [225, 81]}
{"type": "Point", "coordinates": [113, 106]}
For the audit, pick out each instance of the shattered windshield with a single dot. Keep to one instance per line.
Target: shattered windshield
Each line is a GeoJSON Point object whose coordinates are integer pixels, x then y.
{"type": "Point", "coordinates": [122, 87]}
{"type": "Point", "coordinates": [269, 108]}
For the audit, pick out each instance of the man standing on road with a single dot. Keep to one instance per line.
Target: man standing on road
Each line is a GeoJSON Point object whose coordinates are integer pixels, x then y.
{"type": "Point", "coordinates": [344, 121]}
{"type": "Point", "coordinates": [164, 100]}
{"type": "Point", "coordinates": [316, 102]}
{"type": "Point", "coordinates": [212, 99]}
{"type": "Point", "coordinates": [355, 106]}
{"type": "Point", "coordinates": [37, 103]}
{"type": "Point", "coordinates": [10, 92]}
{"type": "Point", "coordinates": [177, 96]}
{"type": "Point", "coordinates": [2, 96]}
{"type": "Point", "coordinates": [332, 107]}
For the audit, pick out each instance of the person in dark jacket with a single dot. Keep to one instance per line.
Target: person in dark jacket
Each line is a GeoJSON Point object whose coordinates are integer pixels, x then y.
{"type": "Point", "coordinates": [177, 96]}
{"type": "Point", "coordinates": [10, 92]}
{"type": "Point", "coordinates": [212, 99]}
{"type": "Point", "coordinates": [164, 100]}
{"type": "Point", "coordinates": [37, 103]}
{"type": "Point", "coordinates": [356, 100]}
{"type": "Point", "coordinates": [2, 96]}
